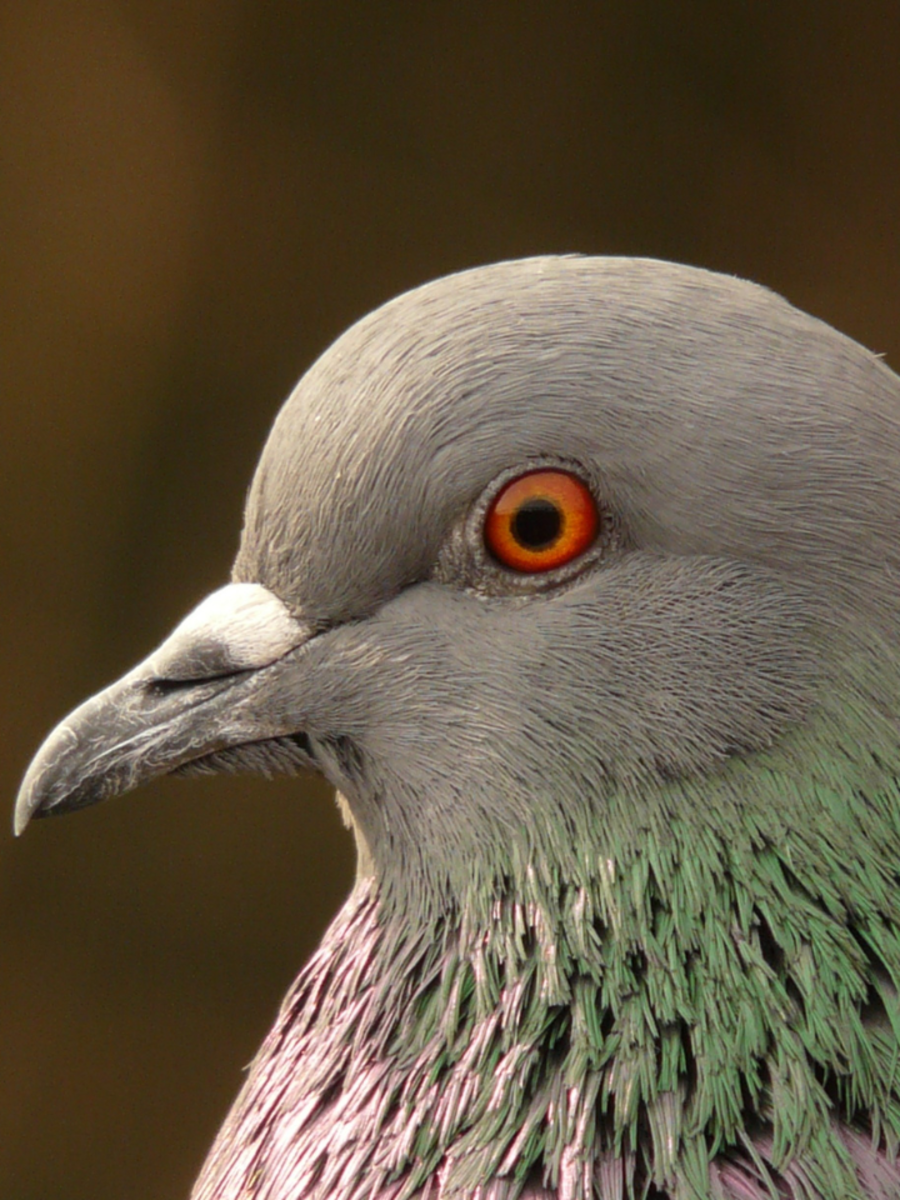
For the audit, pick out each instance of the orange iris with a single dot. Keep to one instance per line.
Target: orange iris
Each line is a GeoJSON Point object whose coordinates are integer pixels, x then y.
{"type": "Point", "coordinates": [541, 520]}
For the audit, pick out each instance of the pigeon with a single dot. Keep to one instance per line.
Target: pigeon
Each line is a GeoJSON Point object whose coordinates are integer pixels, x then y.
{"type": "Point", "coordinates": [577, 577]}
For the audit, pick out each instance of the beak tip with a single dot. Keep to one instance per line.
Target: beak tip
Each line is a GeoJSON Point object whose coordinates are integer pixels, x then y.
{"type": "Point", "coordinates": [37, 794]}
{"type": "Point", "coordinates": [30, 802]}
{"type": "Point", "coordinates": [49, 785]}
{"type": "Point", "coordinates": [23, 812]}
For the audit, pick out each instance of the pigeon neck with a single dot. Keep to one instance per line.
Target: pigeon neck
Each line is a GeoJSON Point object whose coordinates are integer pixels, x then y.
{"type": "Point", "coordinates": [704, 1011]}
{"type": "Point", "coordinates": [690, 987]}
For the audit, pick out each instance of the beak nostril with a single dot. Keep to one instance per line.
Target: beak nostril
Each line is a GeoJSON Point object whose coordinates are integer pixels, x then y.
{"type": "Point", "coordinates": [241, 627]}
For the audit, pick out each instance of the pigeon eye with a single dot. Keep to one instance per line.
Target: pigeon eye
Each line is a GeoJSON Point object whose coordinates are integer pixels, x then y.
{"type": "Point", "coordinates": [540, 521]}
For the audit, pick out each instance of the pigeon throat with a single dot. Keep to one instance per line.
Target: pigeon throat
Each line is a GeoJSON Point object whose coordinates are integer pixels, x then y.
{"type": "Point", "coordinates": [697, 1014]}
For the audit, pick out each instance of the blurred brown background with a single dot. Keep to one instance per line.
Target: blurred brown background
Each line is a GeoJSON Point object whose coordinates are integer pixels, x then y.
{"type": "Point", "coordinates": [195, 198]}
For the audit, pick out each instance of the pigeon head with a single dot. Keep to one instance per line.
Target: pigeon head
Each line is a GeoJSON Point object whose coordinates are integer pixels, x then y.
{"type": "Point", "coordinates": [577, 578]}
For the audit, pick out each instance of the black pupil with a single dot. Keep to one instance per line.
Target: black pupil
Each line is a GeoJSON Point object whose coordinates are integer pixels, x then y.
{"type": "Point", "coordinates": [537, 524]}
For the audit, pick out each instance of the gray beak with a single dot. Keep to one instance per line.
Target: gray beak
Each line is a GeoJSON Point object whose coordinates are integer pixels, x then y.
{"type": "Point", "coordinates": [212, 689]}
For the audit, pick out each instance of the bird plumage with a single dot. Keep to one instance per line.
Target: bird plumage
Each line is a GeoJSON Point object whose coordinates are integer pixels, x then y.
{"type": "Point", "coordinates": [626, 920]}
